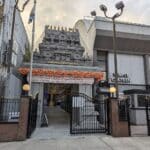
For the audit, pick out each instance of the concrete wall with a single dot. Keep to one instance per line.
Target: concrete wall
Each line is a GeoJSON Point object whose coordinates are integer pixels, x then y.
{"type": "Point", "coordinates": [16, 131]}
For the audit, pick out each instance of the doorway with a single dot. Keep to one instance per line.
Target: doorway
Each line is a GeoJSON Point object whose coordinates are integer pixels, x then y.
{"type": "Point", "coordinates": [57, 106]}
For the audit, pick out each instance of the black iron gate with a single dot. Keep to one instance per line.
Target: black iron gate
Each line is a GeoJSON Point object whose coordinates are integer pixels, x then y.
{"type": "Point", "coordinates": [32, 116]}
{"type": "Point", "coordinates": [148, 115]}
{"type": "Point", "coordinates": [138, 117]}
{"type": "Point", "coordinates": [2, 87]}
{"type": "Point", "coordinates": [88, 115]}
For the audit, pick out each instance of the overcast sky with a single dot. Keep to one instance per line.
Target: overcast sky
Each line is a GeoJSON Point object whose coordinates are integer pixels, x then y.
{"type": "Point", "coordinates": [67, 12]}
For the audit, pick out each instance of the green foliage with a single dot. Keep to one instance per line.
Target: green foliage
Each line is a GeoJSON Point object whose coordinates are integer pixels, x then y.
{"type": "Point", "coordinates": [27, 55]}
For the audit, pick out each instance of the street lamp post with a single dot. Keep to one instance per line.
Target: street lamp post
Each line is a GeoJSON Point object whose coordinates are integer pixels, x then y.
{"type": "Point", "coordinates": [119, 6]}
{"type": "Point", "coordinates": [32, 19]}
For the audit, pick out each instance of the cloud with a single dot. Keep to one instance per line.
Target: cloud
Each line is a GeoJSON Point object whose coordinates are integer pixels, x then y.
{"type": "Point", "coordinates": [67, 12]}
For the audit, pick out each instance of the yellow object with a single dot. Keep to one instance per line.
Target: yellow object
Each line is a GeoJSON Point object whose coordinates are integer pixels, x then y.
{"type": "Point", "coordinates": [26, 87]}
{"type": "Point", "coordinates": [112, 90]}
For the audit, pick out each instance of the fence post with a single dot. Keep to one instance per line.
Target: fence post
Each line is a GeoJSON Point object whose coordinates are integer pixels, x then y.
{"type": "Point", "coordinates": [147, 116]}
{"type": "Point", "coordinates": [119, 128]}
{"type": "Point", "coordinates": [23, 119]}
{"type": "Point", "coordinates": [128, 116]}
{"type": "Point", "coordinates": [108, 117]}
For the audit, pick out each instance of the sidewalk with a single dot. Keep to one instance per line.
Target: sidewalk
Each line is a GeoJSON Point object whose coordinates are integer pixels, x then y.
{"type": "Point", "coordinates": [88, 142]}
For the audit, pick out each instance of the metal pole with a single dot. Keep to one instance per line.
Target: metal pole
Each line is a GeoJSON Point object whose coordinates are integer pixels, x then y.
{"type": "Point", "coordinates": [115, 58]}
{"type": "Point", "coordinates": [32, 48]}
{"type": "Point", "coordinates": [12, 38]}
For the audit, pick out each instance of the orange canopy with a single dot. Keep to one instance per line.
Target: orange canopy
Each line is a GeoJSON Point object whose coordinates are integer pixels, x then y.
{"type": "Point", "coordinates": [63, 73]}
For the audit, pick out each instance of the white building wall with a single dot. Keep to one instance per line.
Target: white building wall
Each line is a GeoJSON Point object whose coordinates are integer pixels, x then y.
{"type": "Point", "coordinates": [20, 35]}
{"type": "Point", "coordinates": [103, 24]}
{"type": "Point", "coordinates": [13, 87]}
{"type": "Point", "coordinates": [132, 65]}
{"type": "Point", "coordinates": [19, 44]}
{"type": "Point", "coordinates": [87, 32]}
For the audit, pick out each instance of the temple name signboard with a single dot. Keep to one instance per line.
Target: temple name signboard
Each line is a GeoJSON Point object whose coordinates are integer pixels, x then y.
{"type": "Point", "coordinates": [64, 80]}
{"type": "Point", "coordinates": [122, 78]}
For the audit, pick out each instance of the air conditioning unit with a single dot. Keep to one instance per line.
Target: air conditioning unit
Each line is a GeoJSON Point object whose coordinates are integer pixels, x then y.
{"type": "Point", "coordinates": [1, 2]}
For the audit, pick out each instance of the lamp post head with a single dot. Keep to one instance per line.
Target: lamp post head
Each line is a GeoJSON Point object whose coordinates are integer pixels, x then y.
{"type": "Point", "coordinates": [103, 8]}
{"type": "Point", "coordinates": [112, 90]}
{"type": "Point", "coordinates": [93, 13]}
{"type": "Point", "coordinates": [26, 87]}
{"type": "Point", "coordinates": [120, 5]}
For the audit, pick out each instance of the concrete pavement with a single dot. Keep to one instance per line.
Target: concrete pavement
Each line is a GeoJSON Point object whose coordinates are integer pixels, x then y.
{"type": "Point", "coordinates": [87, 142]}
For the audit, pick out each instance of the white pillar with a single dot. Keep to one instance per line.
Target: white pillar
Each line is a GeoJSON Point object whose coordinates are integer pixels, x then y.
{"type": "Point", "coordinates": [38, 88]}
{"type": "Point", "coordinates": [85, 89]}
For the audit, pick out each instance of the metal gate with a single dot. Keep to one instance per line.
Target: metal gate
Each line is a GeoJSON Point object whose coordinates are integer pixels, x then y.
{"type": "Point", "coordinates": [138, 117]}
{"type": "Point", "coordinates": [88, 115]}
{"type": "Point", "coordinates": [148, 115]}
{"type": "Point", "coordinates": [2, 87]}
{"type": "Point", "coordinates": [32, 116]}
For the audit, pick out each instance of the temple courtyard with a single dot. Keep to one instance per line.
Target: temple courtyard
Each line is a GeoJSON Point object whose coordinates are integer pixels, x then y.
{"type": "Point", "coordinates": [87, 142]}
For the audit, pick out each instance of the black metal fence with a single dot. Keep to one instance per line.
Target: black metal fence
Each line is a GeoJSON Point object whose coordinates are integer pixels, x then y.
{"type": "Point", "coordinates": [123, 110]}
{"type": "Point", "coordinates": [131, 114]}
{"type": "Point", "coordinates": [9, 110]}
{"type": "Point", "coordinates": [2, 87]}
{"type": "Point", "coordinates": [32, 117]}
{"type": "Point", "coordinates": [88, 115]}
{"type": "Point", "coordinates": [148, 115]}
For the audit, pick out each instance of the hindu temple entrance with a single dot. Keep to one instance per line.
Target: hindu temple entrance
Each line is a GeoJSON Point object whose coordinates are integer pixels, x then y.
{"type": "Point", "coordinates": [69, 111]}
